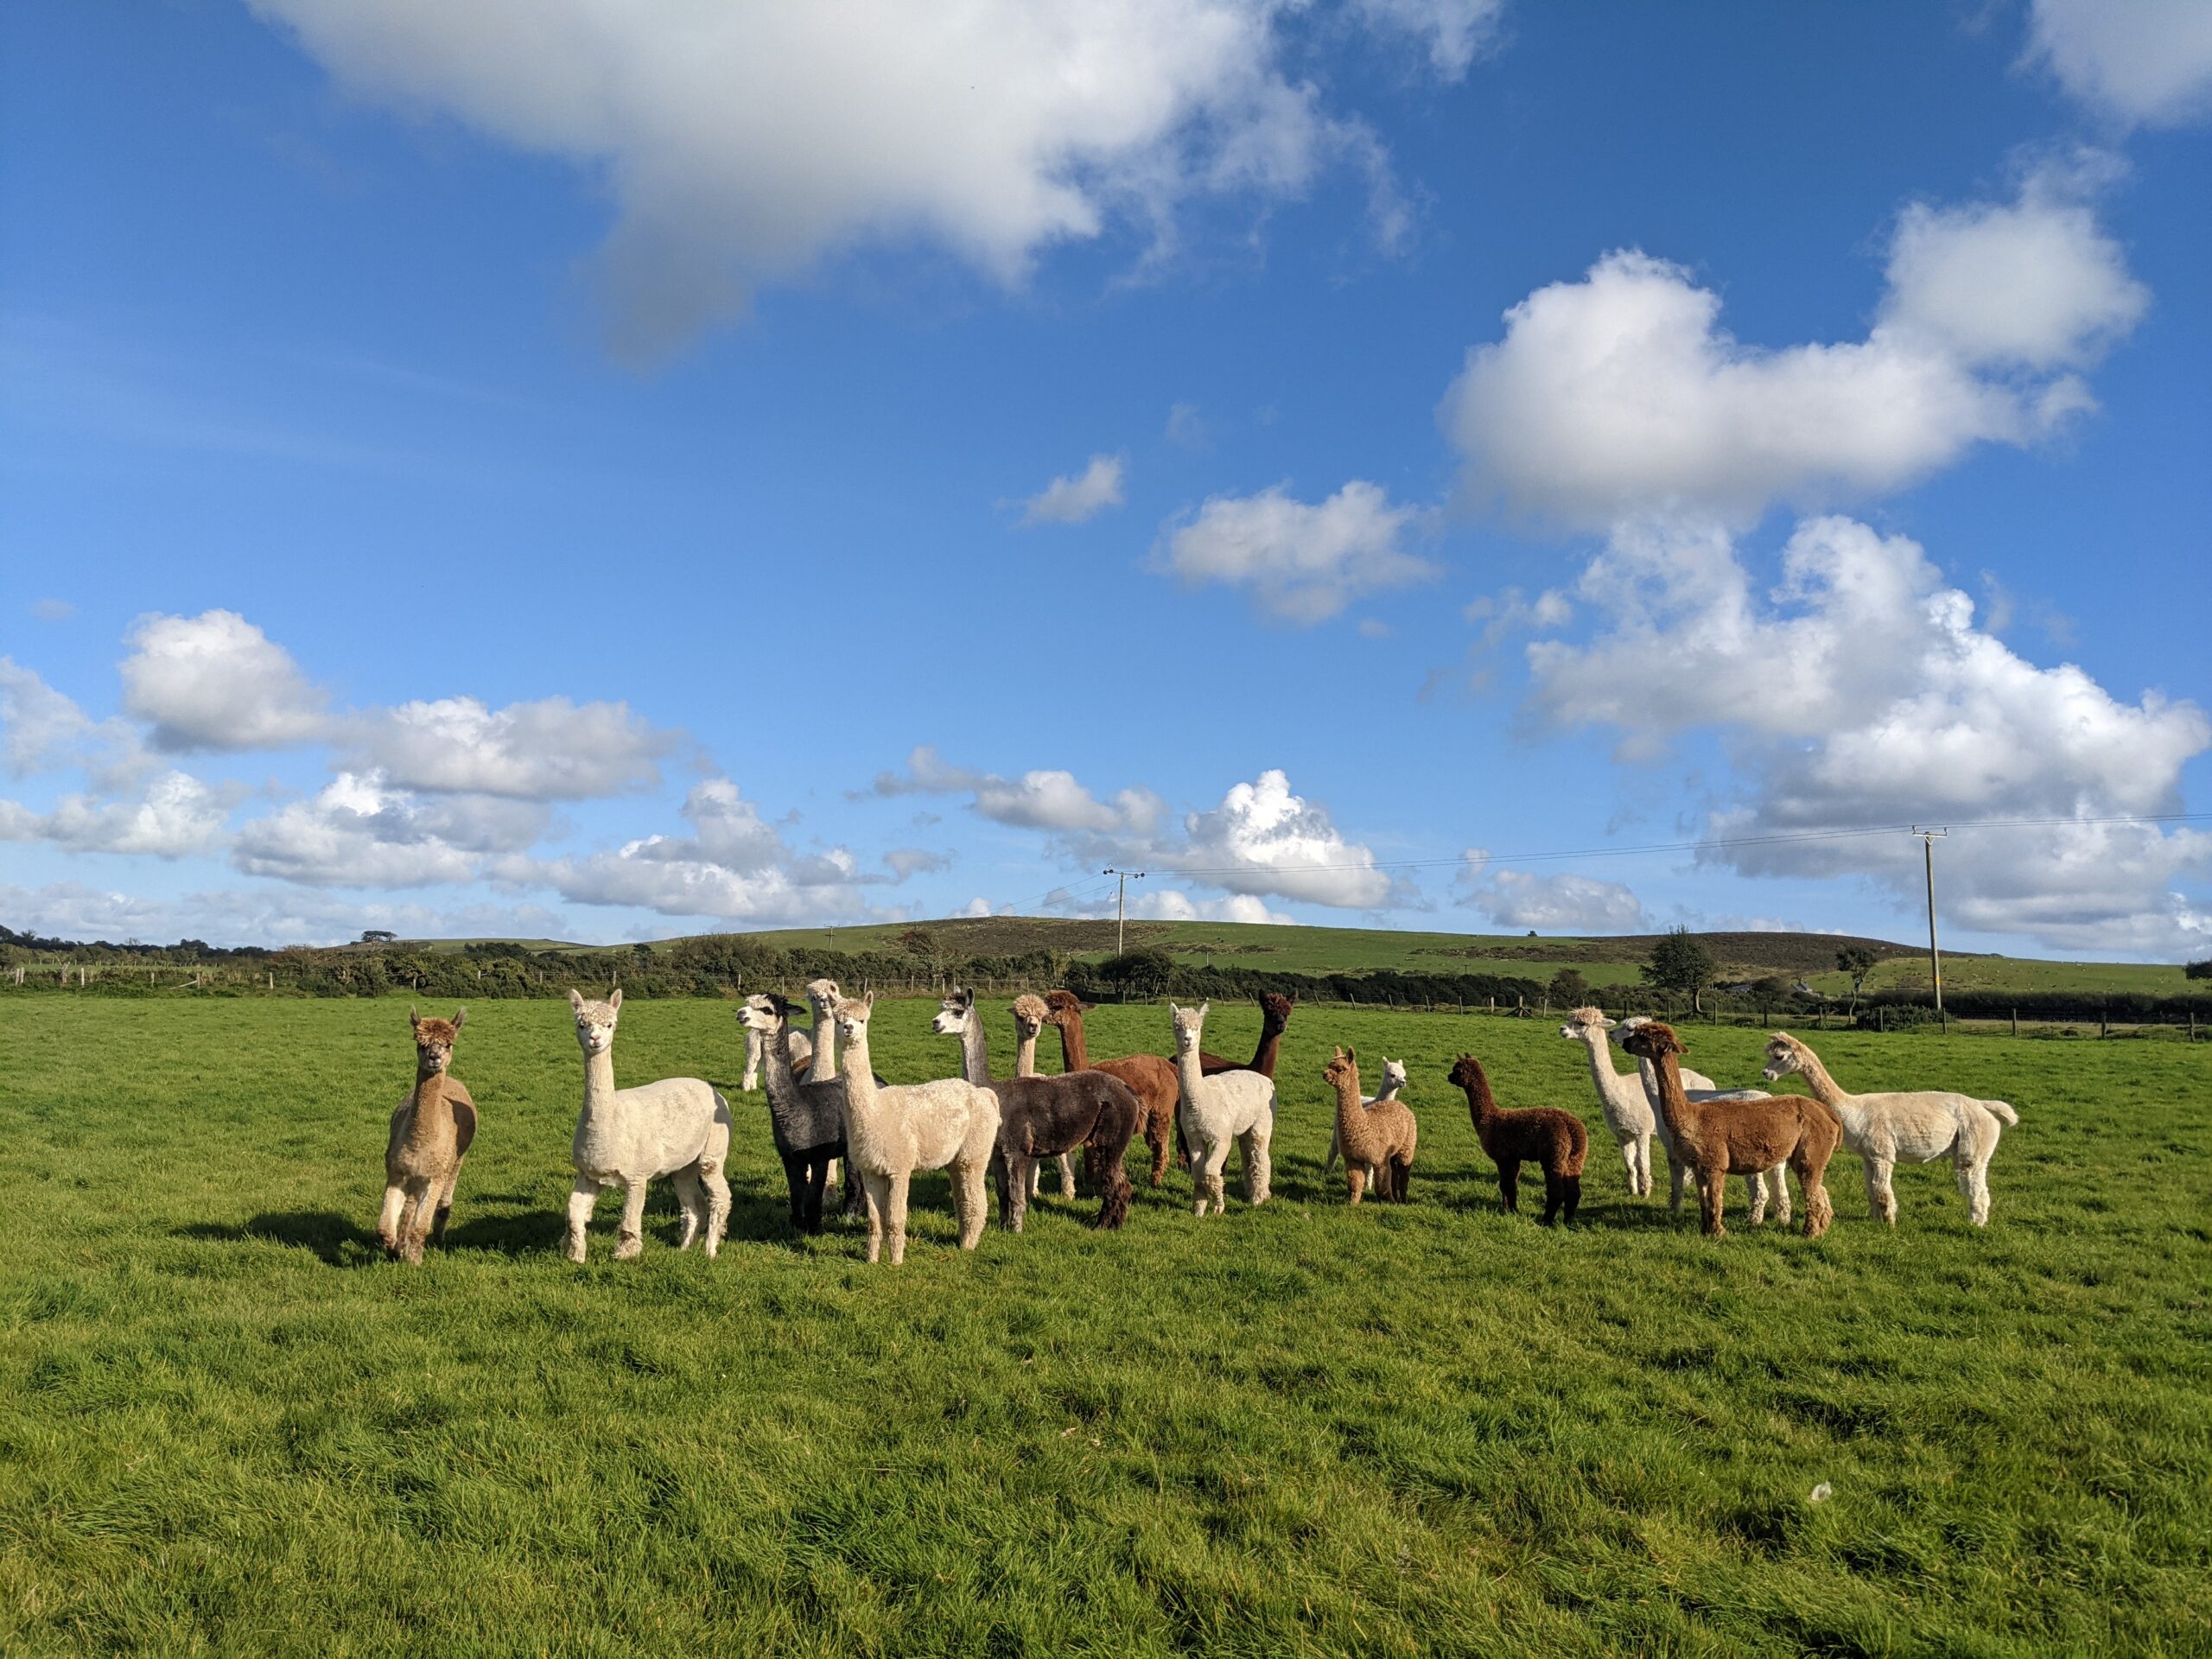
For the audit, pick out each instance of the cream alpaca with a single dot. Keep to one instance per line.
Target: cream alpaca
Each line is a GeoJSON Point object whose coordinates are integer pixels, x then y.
{"type": "Point", "coordinates": [1030, 1017]}
{"type": "Point", "coordinates": [628, 1137]}
{"type": "Point", "coordinates": [1228, 1106]}
{"type": "Point", "coordinates": [430, 1134]}
{"type": "Point", "coordinates": [1394, 1078]}
{"type": "Point", "coordinates": [1700, 1089]}
{"type": "Point", "coordinates": [891, 1132]}
{"type": "Point", "coordinates": [1628, 1111]}
{"type": "Point", "coordinates": [1911, 1127]}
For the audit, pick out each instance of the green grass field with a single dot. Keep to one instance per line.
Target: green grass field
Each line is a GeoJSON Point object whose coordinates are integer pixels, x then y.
{"type": "Point", "coordinates": [227, 1425]}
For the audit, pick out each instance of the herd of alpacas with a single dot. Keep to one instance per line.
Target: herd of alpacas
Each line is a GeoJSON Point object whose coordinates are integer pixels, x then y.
{"type": "Point", "coordinates": [828, 1108]}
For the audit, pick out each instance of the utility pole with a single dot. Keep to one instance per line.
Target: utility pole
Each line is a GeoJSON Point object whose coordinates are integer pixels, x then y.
{"type": "Point", "coordinates": [1122, 878]}
{"type": "Point", "coordinates": [1928, 840]}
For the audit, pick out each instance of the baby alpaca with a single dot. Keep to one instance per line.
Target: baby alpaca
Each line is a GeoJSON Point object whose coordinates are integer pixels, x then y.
{"type": "Point", "coordinates": [1235, 1105]}
{"type": "Point", "coordinates": [1394, 1078]}
{"type": "Point", "coordinates": [430, 1133]}
{"type": "Point", "coordinates": [1533, 1134]}
{"type": "Point", "coordinates": [1915, 1127]}
{"type": "Point", "coordinates": [1375, 1138]}
{"type": "Point", "coordinates": [627, 1137]}
{"type": "Point", "coordinates": [1720, 1138]}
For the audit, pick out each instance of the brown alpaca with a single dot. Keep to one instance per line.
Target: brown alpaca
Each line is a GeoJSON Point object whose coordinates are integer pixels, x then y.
{"type": "Point", "coordinates": [1274, 1016]}
{"type": "Point", "coordinates": [1742, 1137]}
{"type": "Point", "coordinates": [1381, 1135]}
{"type": "Point", "coordinates": [430, 1133]}
{"type": "Point", "coordinates": [1151, 1078]}
{"type": "Point", "coordinates": [1534, 1134]}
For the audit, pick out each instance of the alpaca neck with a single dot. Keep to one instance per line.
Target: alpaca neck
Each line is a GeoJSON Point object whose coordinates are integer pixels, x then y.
{"type": "Point", "coordinates": [776, 1059]}
{"type": "Point", "coordinates": [1025, 1055]}
{"type": "Point", "coordinates": [1681, 1118]}
{"type": "Point", "coordinates": [1388, 1092]}
{"type": "Point", "coordinates": [1188, 1070]}
{"type": "Point", "coordinates": [433, 1116]}
{"type": "Point", "coordinates": [1074, 1056]}
{"type": "Point", "coordinates": [1351, 1112]}
{"type": "Point", "coordinates": [823, 1068]}
{"type": "Point", "coordinates": [863, 1100]}
{"type": "Point", "coordinates": [1611, 1085]}
{"type": "Point", "coordinates": [1263, 1056]}
{"type": "Point", "coordinates": [1482, 1105]}
{"type": "Point", "coordinates": [1823, 1087]}
{"type": "Point", "coordinates": [974, 1051]}
{"type": "Point", "coordinates": [599, 1081]}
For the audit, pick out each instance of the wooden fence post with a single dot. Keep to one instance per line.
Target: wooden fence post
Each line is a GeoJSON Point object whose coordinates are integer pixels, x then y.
{"type": "Point", "coordinates": [2015, 1022]}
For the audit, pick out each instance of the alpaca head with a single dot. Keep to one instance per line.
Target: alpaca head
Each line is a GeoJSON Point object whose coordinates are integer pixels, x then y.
{"type": "Point", "coordinates": [1584, 1020]}
{"type": "Point", "coordinates": [822, 993]}
{"type": "Point", "coordinates": [1190, 1024]}
{"type": "Point", "coordinates": [1063, 1007]}
{"type": "Point", "coordinates": [1030, 1016]}
{"type": "Point", "coordinates": [595, 1020]}
{"type": "Point", "coordinates": [1784, 1054]}
{"type": "Point", "coordinates": [1648, 1040]}
{"type": "Point", "coordinates": [1343, 1068]}
{"type": "Point", "coordinates": [764, 1011]}
{"type": "Point", "coordinates": [1274, 1011]}
{"type": "Point", "coordinates": [433, 1040]}
{"type": "Point", "coordinates": [1393, 1075]}
{"type": "Point", "coordinates": [1622, 1029]}
{"type": "Point", "coordinates": [851, 1017]}
{"type": "Point", "coordinates": [1467, 1073]}
{"type": "Point", "coordinates": [954, 1013]}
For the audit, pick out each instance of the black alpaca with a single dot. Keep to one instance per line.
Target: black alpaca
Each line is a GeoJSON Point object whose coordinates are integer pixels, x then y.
{"type": "Point", "coordinates": [806, 1119]}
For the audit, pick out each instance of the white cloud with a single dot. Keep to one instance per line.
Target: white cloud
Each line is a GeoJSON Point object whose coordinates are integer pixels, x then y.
{"type": "Point", "coordinates": [360, 831]}
{"type": "Point", "coordinates": [744, 144]}
{"type": "Point", "coordinates": [1263, 839]}
{"type": "Point", "coordinates": [264, 917]}
{"type": "Point", "coordinates": [906, 862]}
{"type": "Point", "coordinates": [1172, 905]}
{"type": "Point", "coordinates": [2138, 60]}
{"type": "Point", "coordinates": [41, 729]}
{"type": "Point", "coordinates": [175, 817]}
{"type": "Point", "coordinates": [1455, 30]}
{"type": "Point", "coordinates": [552, 749]}
{"type": "Point", "coordinates": [1299, 562]}
{"type": "Point", "coordinates": [1186, 428]}
{"type": "Point", "coordinates": [215, 681]}
{"type": "Point", "coordinates": [1551, 903]}
{"type": "Point", "coordinates": [1620, 396]}
{"type": "Point", "coordinates": [1047, 800]}
{"type": "Point", "coordinates": [1861, 692]}
{"type": "Point", "coordinates": [53, 610]}
{"type": "Point", "coordinates": [1070, 500]}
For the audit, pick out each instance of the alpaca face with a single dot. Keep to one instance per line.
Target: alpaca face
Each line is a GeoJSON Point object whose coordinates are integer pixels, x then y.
{"type": "Point", "coordinates": [1585, 1020]}
{"type": "Point", "coordinates": [953, 1014]}
{"type": "Point", "coordinates": [1275, 1010]}
{"type": "Point", "coordinates": [1650, 1039]}
{"type": "Point", "coordinates": [596, 1021]}
{"type": "Point", "coordinates": [1030, 1016]}
{"type": "Point", "coordinates": [1781, 1058]}
{"type": "Point", "coordinates": [759, 1014]}
{"type": "Point", "coordinates": [851, 1019]}
{"type": "Point", "coordinates": [1341, 1068]}
{"type": "Point", "coordinates": [1190, 1025]}
{"type": "Point", "coordinates": [434, 1040]}
{"type": "Point", "coordinates": [1465, 1073]}
{"type": "Point", "coordinates": [824, 993]}
{"type": "Point", "coordinates": [1061, 1008]}
{"type": "Point", "coordinates": [1394, 1074]}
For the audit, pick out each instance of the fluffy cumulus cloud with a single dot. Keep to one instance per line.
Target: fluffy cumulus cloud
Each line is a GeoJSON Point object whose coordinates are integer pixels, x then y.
{"type": "Point", "coordinates": [175, 815]}
{"type": "Point", "coordinates": [1299, 562]}
{"type": "Point", "coordinates": [2135, 61]}
{"type": "Point", "coordinates": [217, 682]}
{"type": "Point", "coordinates": [1047, 800]}
{"type": "Point", "coordinates": [1861, 691]}
{"type": "Point", "coordinates": [1172, 905]}
{"type": "Point", "coordinates": [361, 831]}
{"type": "Point", "coordinates": [44, 730]}
{"type": "Point", "coordinates": [1263, 839]}
{"type": "Point", "coordinates": [744, 144]}
{"type": "Point", "coordinates": [552, 749]}
{"type": "Point", "coordinates": [1550, 904]}
{"type": "Point", "coordinates": [1620, 396]}
{"type": "Point", "coordinates": [1071, 499]}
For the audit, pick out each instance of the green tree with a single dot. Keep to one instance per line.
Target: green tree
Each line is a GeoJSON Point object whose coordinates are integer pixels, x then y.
{"type": "Point", "coordinates": [1681, 964]}
{"type": "Point", "coordinates": [1569, 989]}
{"type": "Point", "coordinates": [1141, 974]}
{"type": "Point", "coordinates": [2199, 969]}
{"type": "Point", "coordinates": [1858, 961]}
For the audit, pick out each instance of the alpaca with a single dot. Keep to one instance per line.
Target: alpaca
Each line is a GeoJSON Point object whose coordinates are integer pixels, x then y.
{"type": "Point", "coordinates": [1915, 1127]}
{"type": "Point", "coordinates": [806, 1119]}
{"type": "Point", "coordinates": [1275, 1016]}
{"type": "Point", "coordinates": [1046, 1116]}
{"type": "Point", "coordinates": [890, 1132]}
{"type": "Point", "coordinates": [1723, 1137]}
{"type": "Point", "coordinates": [1151, 1078]}
{"type": "Point", "coordinates": [1394, 1079]}
{"type": "Point", "coordinates": [1759, 1186]}
{"type": "Point", "coordinates": [1533, 1134]}
{"type": "Point", "coordinates": [1628, 1114]}
{"type": "Point", "coordinates": [677, 1126]}
{"type": "Point", "coordinates": [1030, 1018]}
{"type": "Point", "coordinates": [1379, 1137]}
{"type": "Point", "coordinates": [818, 1063]}
{"type": "Point", "coordinates": [430, 1133]}
{"type": "Point", "coordinates": [801, 1049]}
{"type": "Point", "coordinates": [1234, 1105]}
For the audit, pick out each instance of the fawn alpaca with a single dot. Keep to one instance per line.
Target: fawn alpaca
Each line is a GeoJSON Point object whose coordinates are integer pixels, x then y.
{"type": "Point", "coordinates": [430, 1133]}
{"type": "Point", "coordinates": [1758, 1186]}
{"type": "Point", "coordinates": [1534, 1134]}
{"type": "Point", "coordinates": [628, 1137]}
{"type": "Point", "coordinates": [890, 1132]}
{"type": "Point", "coordinates": [1913, 1127]}
{"type": "Point", "coordinates": [1394, 1079]}
{"type": "Point", "coordinates": [1234, 1105]}
{"type": "Point", "coordinates": [1720, 1138]}
{"type": "Point", "coordinates": [1150, 1077]}
{"type": "Point", "coordinates": [1375, 1138]}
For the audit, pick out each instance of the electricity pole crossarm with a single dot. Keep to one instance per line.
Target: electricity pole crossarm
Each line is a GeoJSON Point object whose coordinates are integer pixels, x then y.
{"type": "Point", "coordinates": [1928, 840]}
{"type": "Point", "coordinates": [1122, 878]}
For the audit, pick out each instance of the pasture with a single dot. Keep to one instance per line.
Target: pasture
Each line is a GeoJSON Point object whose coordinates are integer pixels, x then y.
{"type": "Point", "coordinates": [227, 1425]}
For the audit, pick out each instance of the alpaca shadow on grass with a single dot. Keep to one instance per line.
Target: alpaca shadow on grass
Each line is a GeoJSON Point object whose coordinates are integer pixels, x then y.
{"type": "Point", "coordinates": [339, 1240]}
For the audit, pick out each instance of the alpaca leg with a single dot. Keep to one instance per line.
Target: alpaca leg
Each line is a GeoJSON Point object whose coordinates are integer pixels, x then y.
{"type": "Point", "coordinates": [1021, 1176]}
{"type": "Point", "coordinates": [1571, 1192]}
{"type": "Point", "coordinates": [1678, 1174]}
{"type": "Point", "coordinates": [630, 1240]}
{"type": "Point", "coordinates": [717, 1186]}
{"type": "Point", "coordinates": [795, 1183]}
{"type": "Point", "coordinates": [1401, 1175]}
{"type": "Point", "coordinates": [967, 1189]}
{"type": "Point", "coordinates": [856, 1206]}
{"type": "Point", "coordinates": [395, 1199]}
{"type": "Point", "coordinates": [1356, 1179]}
{"type": "Point", "coordinates": [1713, 1199]}
{"type": "Point", "coordinates": [1336, 1146]}
{"type": "Point", "coordinates": [1628, 1164]}
{"type": "Point", "coordinates": [692, 1200]}
{"type": "Point", "coordinates": [1208, 1166]}
{"type": "Point", "coordinates": [897, 1220]}
{"type": "Point", "coordinates": [1113, 1183]}
{"type": "Point", "coordinates": [1067, 1176]}
{"type": "Point", "coordinates": [1642, 1165]}
{"type": "Point", "coordinates": [1819, 1213]}
{"type": "Point", "coordinates": [1159, 1130]}
{"type": "Point", "coordinates": [816, 1175]}
{"type": "Point", "coordinates": [878, 1188]}
{"type": "Point", "coordinates": [445, 1205]}
{"type": "Point", "coordinates": [581, 1201]}
{"type": "Point", "coordinates": [1555, 1195]}
{"type": "Point", "coordinates": [414, 1219]}
{"type": "Point", "coordinates": [1973, 1175]}
{"type": "Point", "coordinates": [1509, 1187]}
{"type": "Point", "coordinates": [1755, 1196]}
{"type": "Point", "coordinates": [1777, 1190]}
{"type": "Point", "coordinates": [1881, 1198]}
{"type": "Point", "coordinates": [1259, 1168]}
{"type": "Point", "coordinates": [1036, 1184]}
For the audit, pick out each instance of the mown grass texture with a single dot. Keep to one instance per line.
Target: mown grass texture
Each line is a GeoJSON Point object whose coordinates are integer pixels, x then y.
{"type": "Point", "coordinates": [227, 1425]}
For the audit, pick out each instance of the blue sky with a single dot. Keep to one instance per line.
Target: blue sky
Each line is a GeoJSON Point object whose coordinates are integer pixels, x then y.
{"type": "Point", "coordinates": [611, 472]}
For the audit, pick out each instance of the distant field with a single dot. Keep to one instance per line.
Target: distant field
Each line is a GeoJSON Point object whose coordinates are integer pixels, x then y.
{"type": "Point", "coordinates": [227, 1425]}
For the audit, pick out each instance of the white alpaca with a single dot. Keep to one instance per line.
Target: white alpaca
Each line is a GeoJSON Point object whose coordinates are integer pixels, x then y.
{"type": "Point", "coordinates": [1628, 1110]}
{"type": "Point", "coordinates": [1697, 1087]}
{"type": "Point", "coordinates": [1909, 1127]}
{"type": "Point", "coordinates": [801, 1052]}
{"type": "Point", "coordinates": [1029, 1019]}
{"type": "Point", "coordinates": [1237, 1106]}
{"type": "Point", "coordinates": [890, 1132]}
{"type": "Point", "coordinates": [677, 1126]}
{"type": "Point", "coordinates": [1394, 1078]}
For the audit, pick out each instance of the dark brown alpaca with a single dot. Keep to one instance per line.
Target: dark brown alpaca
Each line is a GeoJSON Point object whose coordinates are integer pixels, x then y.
{"type": "Point", "coordinates": [1150, 1077]}
{"type": "Point", "coordinates": [430, 1133]}
{"type": "Point", "coordinates": [1740, 1136]}
{"type": "Point", "coordinates": [1274, 1016]}
{"type": "Point", "coordinates": [1380, 1137]}
{"type": "Point", "coordinates": [1535, 1134]}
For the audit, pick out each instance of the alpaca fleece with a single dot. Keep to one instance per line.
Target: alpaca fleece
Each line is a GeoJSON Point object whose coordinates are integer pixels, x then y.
{"type": "Point", "coordinates": [1554, 1140]}
{"type": "Point", "coordinates": [1151, 1077]}
{"type": "Point", "coordinates": [1236, 1105]}
{"type": "Point", "coordinates": [806, 1120]}
{"type": "Point", "coordinates": [1380, 1136]}
{"type": "Point", "coordinates": [430, 1134]}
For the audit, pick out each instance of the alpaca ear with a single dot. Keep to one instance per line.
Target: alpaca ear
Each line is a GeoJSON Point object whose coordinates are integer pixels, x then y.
{"type": "Point", "coordinates": [413, 1017]}
{"type": "Point", "coordinates": [1352, 1054]}
{"type": "Point", "coordinates": [614, 999]}
{"type": "Point", "coordinates": [575, 999]}
{"type": "Point", "coordinates": [460, 1018]}
{"type": "Point", "coordinates": [1203, 1006]}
